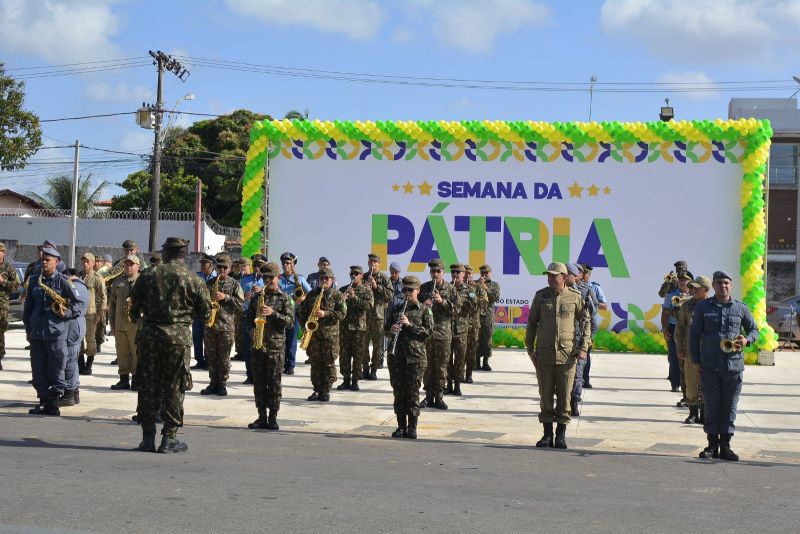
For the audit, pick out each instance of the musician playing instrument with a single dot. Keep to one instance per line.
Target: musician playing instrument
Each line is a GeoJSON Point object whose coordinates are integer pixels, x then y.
{"type": "Point", "coordinates": [669, 318]}
{"type": "Point", "coordinates": [408, 326]}
{"type": "Point", "coordinates": [274, 310]}
{"type": "Point", "coordinates": [353, 329]}
{"type": "Point", "coordinates": [320, 313]}
{"type": "Point", "coordinates": [296, 286]}
{"type": "Point", "coordinates": [699, 287]}
{"type": "Point", "coordinates": [715, 320]}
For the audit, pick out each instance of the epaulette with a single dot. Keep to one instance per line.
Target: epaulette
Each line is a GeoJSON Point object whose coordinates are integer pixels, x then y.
{"type": "Point", "coordinates": [575, 291]}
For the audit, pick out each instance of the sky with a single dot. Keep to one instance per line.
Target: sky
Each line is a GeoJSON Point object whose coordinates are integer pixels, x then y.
{"type": "Point", "coordinates": [443, 59]}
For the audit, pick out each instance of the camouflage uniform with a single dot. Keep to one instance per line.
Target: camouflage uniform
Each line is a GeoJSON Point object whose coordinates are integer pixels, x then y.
{"type": "Point", "coordinates": [9, 282]}
{"type": "Point", "coordinates": [167, 297]}
{"type": "Point", "coordinates": [381, 296]}
{"type": "Point", "coordinates": [474, 327]}
{"type": "Point", "coordinates": [238, 332]}
{"type": "Point", "coordinates": [353, 334]}
{"type": "Point", "coordinates": [218, 338]}
{"type": "Point", "coordinates": [487, 323]}
{"type": "Point", "coordinates": [461, 319]}
{"type": "Point", "coordinates": [408, 362]}
{"type": "Point", "coordinates": [323, 349]}
{"type": "Point", "coordinates": [267, 361]}
{"type": "Point", "coordinates": [438, 345]}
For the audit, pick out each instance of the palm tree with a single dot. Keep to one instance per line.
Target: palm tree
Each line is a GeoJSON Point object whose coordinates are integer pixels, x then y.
{"type": "Point", "coordinates": [59, 193]}
{"type": "Point", "coordinates": [294, 114]}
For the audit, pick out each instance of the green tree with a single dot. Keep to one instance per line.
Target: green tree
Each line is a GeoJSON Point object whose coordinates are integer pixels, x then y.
{"type": "Point", "coordinates": [20, 135]}
{"type": "Point", "coordinates": [177, 192]}
{"type": "Point", "coordinates": [59, 193]}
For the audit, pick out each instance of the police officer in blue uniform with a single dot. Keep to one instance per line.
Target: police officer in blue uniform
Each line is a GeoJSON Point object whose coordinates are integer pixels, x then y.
{"type": "Point", "coordinates": [290, 283]}
{"type": "Point", "coordinates": [46, 327]}
{"type": "Point", "coordinates": [721, 328]}
{"type": "Point", "coordinates": [76, 331]}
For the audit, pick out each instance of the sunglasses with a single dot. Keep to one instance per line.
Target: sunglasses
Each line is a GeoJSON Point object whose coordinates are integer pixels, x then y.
{"type": "Point", "coordinates": [408, 290]}
{"type": "Point", "coordinates": [436, 270]}
{"type": "Point", "coordinates": [223, 266]}
{"type": "Point", "coordinates": [324, 277]}
{"type": "Point", "coordinates": [287, 262]}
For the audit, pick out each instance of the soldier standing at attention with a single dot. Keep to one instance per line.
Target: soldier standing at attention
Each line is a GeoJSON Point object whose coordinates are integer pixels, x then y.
{"type": "Point", "coordinates": [721, 328]}
{"type": "Point", "coordinates": [167, 297]}
{"type": "Point", "coordinates": [456, 364]}
{"type": "Point", "coordinates": [575, 280]}
{"type": "Point", "coordinates": [553, 345]}
{"type": "Point", "coordinates": [94, 314]}
{"type": "Point", "coordinates": [382, 294]}
{"type": "Point", "coordinates": [444, 301]}
{"type": "Point", "coordinates": [218, 337]}
{"type": "Point", "coordinates": [602, 304]}
{"type": "Point", "coordinates": [482, 300]}
{"type": "Point", "coordinates": [76, 330]}
{"type": "Point", "coordinates": [277, 313]}
{"type": "Point", "coordinates": [123, 326]}
{"type": "Point", "coordinates": [323, 349]}
{"type": "Point", "coordinates": [353, 334]}
{"type": "Point", "coordinates": [46, 328]}
{"type": "Point", "coordinates": [408, 326]}
{"type": "Point", "coordinates": [296, 287]}
{"type": "Point", "coordinates": [699, 287]}
{"type": "Point", "coordinates": [9, 282]}
{"type": "Point", "coordinates": [487, 319]}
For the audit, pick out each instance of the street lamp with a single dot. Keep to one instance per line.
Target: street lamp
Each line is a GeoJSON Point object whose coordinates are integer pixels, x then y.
{"type": "Point", "coordinates": [667, 113]}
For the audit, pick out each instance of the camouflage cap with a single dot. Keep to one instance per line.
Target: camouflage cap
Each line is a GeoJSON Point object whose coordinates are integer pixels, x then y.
{"type": "Point", "coordinates": [237, 261]}
{"type": "Point", "coordinates": [436, 263]}
{"type": "Point", "coordinates": [373, 257]}
{"type": "Point", "coordinates": [701, 281]}
{"type": "Point", "coordinates": [129, 244]}
{"type": "Point", "coordinates": [327, 271]}
{"type": "Point", "coordinates": [456, 267]}
{"type": "Point", "coordinates": [257, 262]}
{"type": "Point", "coordinates": [223, 260]}
{"type": "Point", "coordinates": [468, 268]}
{"type": "Point", "coordinates": [258, 257]}
{"type": "Point", "coordinates": [411, 282]}
{"type": "Point", "coordinates": [156, 258]}
{"type": "Point", "coordinates": [486, 268]}
{"type": "Point", "coordinates": [555, 268]}
{"type": "Point", "coordinates": [2, 247]}
{"type": "Point", "coordinates": [356, 269]}
{"type": "Point", "coordinates": [175, 242]}
{"type": "Point", "coordinates": [133, 258]}
{"type": "Point", "coordinates": [88, 256]}
{"type": "Point", "coordinates": [270, 269]}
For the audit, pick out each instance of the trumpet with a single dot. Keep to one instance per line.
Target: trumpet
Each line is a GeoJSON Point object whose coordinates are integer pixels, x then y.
{"type": "Point", "coordinates": [260, 323]}
{"type": "Point", "coordinates": [59, 304]}
{"type": "Point", "coordinates": [676, 300]}
{"type": "Point", "coordinates": [214, 304]}
{"type": "Point", "coordinates": [298, 288]}
{"type": "Point", "coordinates": [312, 323]}
{"type": "Point", "coordinates": [730, 345]}
{"type": "Point", "coordinates": [670, 277]}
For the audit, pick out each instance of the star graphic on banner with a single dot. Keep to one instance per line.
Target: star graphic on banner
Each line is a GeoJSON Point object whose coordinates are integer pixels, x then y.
{"type": "Point", "coordinates": [575, 190]}
{"type": "Point", "coordinates": [607, 190]}
{"type": "Point", "coordinates": [396, 188]}
{"type": "Point", "coordinates": [425, 188]}
{"type": "Point", "coordinates": [408, 188]}
{"type": "Point", "coordinates": [593, 190]}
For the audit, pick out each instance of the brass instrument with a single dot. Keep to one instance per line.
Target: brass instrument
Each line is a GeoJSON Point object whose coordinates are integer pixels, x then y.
{"type": "Point", "coordinates": [676, 300]}
{"type": "Point", "coordinates": [114, 273]}
{"type": "Point", "coordinates": [298, 288]}
{"type": "Point", "coordinates": [312, 323]}
{"type": "Point", "coordinates": [260, 323]}
{"type": "Point", "coordinates": [59, 304]}
{"type": "Point", "coordinates": [730, 345]}
{"type": "Point", "coordinates": [670, 277]}
{"type": "Point", "coordinates": [214, 304]}
{"type": "Point", "coordinates": [397, 335]}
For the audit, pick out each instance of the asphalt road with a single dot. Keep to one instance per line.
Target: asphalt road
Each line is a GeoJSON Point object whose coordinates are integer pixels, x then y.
{"type": "Point", "coordinates": [79, 475]}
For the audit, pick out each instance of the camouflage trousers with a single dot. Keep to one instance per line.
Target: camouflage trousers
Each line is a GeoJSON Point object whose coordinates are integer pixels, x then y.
{"type": "Point", "coordinates": [323, 353]}
{"type": "Point", "coordinates": [485, 337]}
{"type": "Point", "coordinates": [238, 340]}
{"type": "Point", "coordinates": [164, 377]}
{"type": "Point", "coordinates": [267, 371]}
{"type": "Point", "coordinates": [217, 346]}
{"type": "Point", "coordinates": [3, 328]}
{"type": "Point", "coordinates": [438, 352]}
{"type": "Point", "coordinates": [472, 347]}
{"type": "Point", "coordinates": [405, 379]}
{"type": "Point", "coordinates": [351, 349]}
{"type": "Point", "coordinates": [374, 336]}
{"type": "Point", "coordinates": [456, 363]}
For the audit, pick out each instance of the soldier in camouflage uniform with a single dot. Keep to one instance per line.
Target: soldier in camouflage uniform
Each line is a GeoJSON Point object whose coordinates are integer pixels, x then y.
{"type": "Point", "coordinates": [9, 282]}
{"type": "Point", "coordinates": [237, 271]}
{"type": "Point", "coordinates": [474, 322]}
{"type": "Point", "coordinates": [487, 318]}
{"type": "Point", "coordinates": [218, 338]}
{"type": "Point", "coordinates": [382, 294]}
{"type": "Point", "coordinates": [408, 327]}
{"type": "Point", "coordinates": [699, 288]}
{"type": "Point", "coordinates": [167, 298]}
{"type": "Point", "coordinates": [444, 301]}
{"type": "Point", "coordinates": [461, 319]}
{"type": "Point", "coordinates": [267, 361]}
{"type": "Point", "coordinates": [323, 349]}
{"type": "Point", "coordinates": [353, 329]}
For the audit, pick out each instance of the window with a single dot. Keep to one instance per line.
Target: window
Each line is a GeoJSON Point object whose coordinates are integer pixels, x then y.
{"type": "Point", "coordinates": [783, 161]}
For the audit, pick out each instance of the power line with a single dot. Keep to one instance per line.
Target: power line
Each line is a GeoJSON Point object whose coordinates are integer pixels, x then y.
{"type": "Point", "coordinates": [139, 58]}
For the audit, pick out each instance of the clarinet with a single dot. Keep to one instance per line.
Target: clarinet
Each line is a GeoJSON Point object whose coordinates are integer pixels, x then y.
{"type": "Point", "coordinates": [397, 335]}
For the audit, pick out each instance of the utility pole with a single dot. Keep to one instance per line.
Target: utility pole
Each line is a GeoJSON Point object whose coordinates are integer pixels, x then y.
{"type": "Point", "coordinates": [75, 172]}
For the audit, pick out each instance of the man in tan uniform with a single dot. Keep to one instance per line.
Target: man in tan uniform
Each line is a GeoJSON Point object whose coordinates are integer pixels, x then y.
{"type": "Point", "coordinates": [123, 328]}
{"type": "Point", "coordinates": [95, 312]}
{"type": "Point", "coordinates": [553, 346]}
{"type": "Point", "coordinates": [699, 288]}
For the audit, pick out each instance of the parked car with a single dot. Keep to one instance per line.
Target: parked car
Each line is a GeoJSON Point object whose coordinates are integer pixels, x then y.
{"type": "Point", "coordinates": [782, 316]}
{"type": "Point", "coordinates": [15, 302]}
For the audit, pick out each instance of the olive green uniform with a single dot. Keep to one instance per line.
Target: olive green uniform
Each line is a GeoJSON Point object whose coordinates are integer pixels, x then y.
{"type": "Point", "coordinates": [438, 345]}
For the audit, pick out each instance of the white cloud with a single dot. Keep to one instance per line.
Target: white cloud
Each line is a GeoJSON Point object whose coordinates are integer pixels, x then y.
{"type": "Point", "coordinates": [119, 92]}
{"type": "Point", "coordinates": [58, 31]}
{"type": "Point", "coordinates": [137, 140]}
{"type": "Point", "coordinates": [357, 19]}
{"type": "Point", "coordinates": [475, 25]}
{"type": "Point", "coordinates": [705, 31]}
{"type": "Point", "coordinates": [689, 80]}
{"type": "Point", "coordinates": [403, 35]}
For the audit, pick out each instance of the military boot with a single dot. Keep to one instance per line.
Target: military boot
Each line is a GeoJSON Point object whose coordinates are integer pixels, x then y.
{"type": "Point", "coordinates": [39, 409]}
{"type": "Point", "coordinates": [427, 401]}
{"type": "Point", "coordinates": [124, 383]}
{"type": "Point", "coordinates": [134, 383]}
{"type": "Point", "coordinates": [457, 389]}
{"type": "Point", "coordinates": [692, 419]}
{"type": "Point", "coordinates": [261, 422]}
{"type": "Point", "coordinates": [449, 389]}
{"type": "Point", "coordinates": [547, 438]}
{"type": "Point", "coordinates": [478, 366]}
{"type": "Point", "coordinates": [573, 403]}
{"type": "Point", "coordinates": [486, 366]}
{"type": "Point", "coordinates": [222, 389]}
{"type": "Point", "coordinates": [439, 404]}
{"type": "Point", "coordinates": [67, 399]}
{"type": "Point", "coordinates": [354, 385]}
{"type": "Point", "coordinates": [712, 450]}
{"type": "Point", "coordinates": [87, 369]}
{"type": "Point", "coordinates": [209, 389]}
{"type": "Point", "coordinates": [701, 419]}
{"type": "Point", "coordinates": [172, 445]}
{"type": "Point", "coordinates": [401, 427]}
{"type": "Point", "coordinates": [468, 378]}
{"type": "Point", "coordinates": [373, 373]}
{"type": "Point", "coordinates": [272, 420]}
{"type": "Point", "coordinates": [313, 397]}
{"type": "Point", "coordinates": [77, 394]}
{"type": "Point", "coordinates": [81, 364]}
{"type": "Point", "coordinates": [148, 443]}
{"type": "Point", "coordinates": [411, 431]}
{"type": "Point", "coordinates": [51, 403]}
{"type": "Point", "coordinates": [324, 396]}
{"type": "Point", "coordinates": [725, 452]}
{"type": "Point", "coordinates": [561, 436]}
{"type": "Point", "coordinates": [344, 385]}
{"type": "Point", "coordinates": [365, 373]}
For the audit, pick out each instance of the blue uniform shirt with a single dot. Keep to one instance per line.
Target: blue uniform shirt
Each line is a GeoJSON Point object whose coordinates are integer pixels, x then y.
{"type": "Point", "coordinates": [598, 293]}
{"type": "Point", "coordinates": [247, 282]}
{"type": "Point", "coordinates": [40, 322]}
{"type": "Point", "coordinates": [287, 285]}
{"type": "Point", "coordinates": [667, 306]}
{"type": "Point", "coordinates": [714, 321]}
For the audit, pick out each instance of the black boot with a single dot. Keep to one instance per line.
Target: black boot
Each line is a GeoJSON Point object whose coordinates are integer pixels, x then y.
{"type": "Point", "coordinates": [573, 403]}
{"type": "Point", "coordinates": [134, 383]}
{"type": "Point", "coordinates": [87, 369]}
{"type": "Point", "coordinates": [449, 389]}
{"type": "Point", "coordinates": [148, 443]}
{"type": "Point", "coordinates": [222, 389]}
{"type": "Point", "coordinates": [272, 420]}
{"type": "Point", "coordinates": [324, 397]}
{"type": "Point", "coordinates": [478, 366]}
{"type": "Point", "coordinates": [354, 386]}
{"type": "Point", "coordinates": [468, 378]}
{"type": "Point", "coordinates": [725, 452]}
{"type": "Point", "coordinates": [457, 389]}
{"type": "Point", "coordinates": [365, 374]}
{"type": "Point", "coordinates": [712, 450]}
{"type": "Point", "coordinates": [313, 397]}
{"type": "Point", "coordinates": [77, 395]}
{"type": "Point", "coordinates": [547, 438]}
{"type": "Point", "coordinates": [124, 383]}
{"type": "Point", "coordinates": [692, 419]}
{"type": "Point", "coordinates": [67, 399]}
{"type": "Point", "coordinates": [373, 373]}
{"type": "Point", "coordinates": [427, 401]}
{"type": "Point", "coordinates": [439, 404]}
{"type": "Point", "coordinates": [39, 409]}
{"type": "Point", "coordinates": [344, 385]}
{"type": "Point", "coordinates": [261, 422]}
{"type": "Point", "coordinates": [81, 364]}
{"type": "Point", "coordinates": [209, 389]}
{"type": "Point", "coordinates": [561, 436]}
{"type": "Point", "coordinates": [701, 419]}
{"type": "Point", "coordinates": [402, 425]}
{"type": "Point", "coordinates": [51, 403]}
{"type": "Point", "coordinates": [486, 366]}
{"type": "Point", "coordinates": [172, 445]}
{"type": "Point", "coordinates": [411, 431]}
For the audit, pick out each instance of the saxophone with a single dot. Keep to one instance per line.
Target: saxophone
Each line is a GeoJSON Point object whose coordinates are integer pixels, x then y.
{"type": "Point", "coordinates": [260, 323]}
{"type": "Point", "coordinates": [311, 324]}
{"type": "Point", "coordinates": [59, 304]}
{"type": "Point", "coordinates": [298, 288]}
{"type": "Point", "coordinates": [214, 304]}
